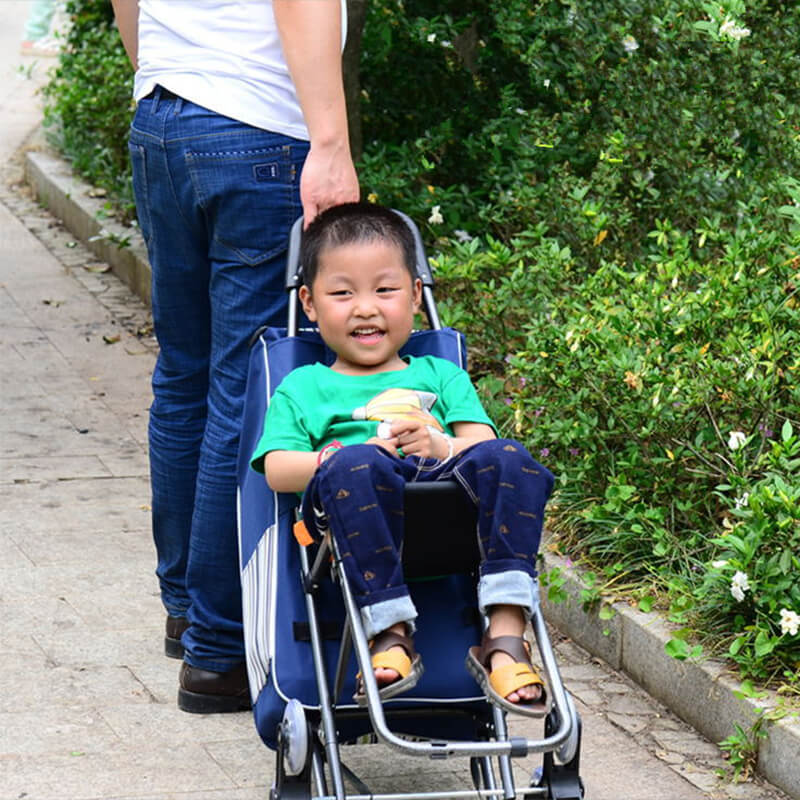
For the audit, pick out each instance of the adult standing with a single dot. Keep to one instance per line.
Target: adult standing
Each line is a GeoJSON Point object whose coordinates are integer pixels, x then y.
{"type": "Point", "coordinates": [240, 125]}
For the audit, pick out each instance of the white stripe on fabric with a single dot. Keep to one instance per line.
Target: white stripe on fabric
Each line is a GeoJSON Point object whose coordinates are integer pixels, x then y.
{"type": "Point", "coordinates": [258, 593]}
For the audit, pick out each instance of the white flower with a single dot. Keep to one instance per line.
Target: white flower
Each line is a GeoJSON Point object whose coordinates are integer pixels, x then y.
{"type": "Point", "coordinates": [436, 217]}
{"type": "Point", "coordinates": [739, 585]}
{"type": "Point", "coordinates": [741, 502]}
{"type": "Point", "coordinates": [630, 44]}
{"type": "Point", "coordinates": [431, 37]}
{"type": "Point", "coordinates": [719, 564]}
{"type": "Point", "coordinates": [546, 83]}
{"type": "Point", "coordinates": [732, 30]}
{"type": "Point", "coordinates": [736, 440]}
{"type": "Point", "coordinates": [446, 43]}
{"type": "Point", "coordinates": [790, 622]}
{"type": "Point", "coordinates": [462, 236]}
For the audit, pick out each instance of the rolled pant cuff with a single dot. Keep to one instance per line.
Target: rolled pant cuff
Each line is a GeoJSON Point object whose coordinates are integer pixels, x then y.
{"type": "Point", "coordinates": [513, 588]}
{"type": "Point", "coordinates": [382, 615]}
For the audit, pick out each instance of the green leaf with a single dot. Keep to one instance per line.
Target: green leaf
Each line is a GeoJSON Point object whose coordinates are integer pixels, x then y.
{"type": "Point", "coordinates": [677, 648]}
{"type": "Point", "coordinates": [786, 431]}
{"type": "Point", "coordinates": [606, 612]}
{"type": "Point", "coordinates": [764, 644]}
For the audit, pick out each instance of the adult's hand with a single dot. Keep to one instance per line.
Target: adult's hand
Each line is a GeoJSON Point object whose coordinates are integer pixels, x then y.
{"type": "Point", "coordinates": [329, 179]}
{"type": "Point", "coordinates": [311, 37]}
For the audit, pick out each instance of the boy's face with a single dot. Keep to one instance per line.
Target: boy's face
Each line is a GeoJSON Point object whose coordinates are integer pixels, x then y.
{"type": "Point", "coordinates": [363, 300]}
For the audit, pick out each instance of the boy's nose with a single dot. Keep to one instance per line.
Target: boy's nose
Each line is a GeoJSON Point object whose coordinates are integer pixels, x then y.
{"type": "Point", "coordinates": [364, 307]}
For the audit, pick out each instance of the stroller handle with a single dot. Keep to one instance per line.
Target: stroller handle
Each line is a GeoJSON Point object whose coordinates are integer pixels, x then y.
{"type": "Point", "coordinates": [294, 273]}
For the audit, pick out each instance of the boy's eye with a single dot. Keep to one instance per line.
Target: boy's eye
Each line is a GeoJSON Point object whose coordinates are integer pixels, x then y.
{"type": "Point", "coordinates": [387, 289]}
{"type": "Point", "coordinates": [339, 293]}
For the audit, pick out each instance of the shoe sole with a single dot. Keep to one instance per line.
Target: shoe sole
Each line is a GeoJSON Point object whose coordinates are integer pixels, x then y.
{"type": "Point", "coordinates": [481, 675]}
{"type": "Point", "coordinates": [173, 648]}
{"type": "Point", "coordinates": [396, 688]}
{"type": "Point", "coordinates": [198, 703]}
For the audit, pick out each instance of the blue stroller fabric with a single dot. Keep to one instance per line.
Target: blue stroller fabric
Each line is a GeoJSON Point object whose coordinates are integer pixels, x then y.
{"type": "Point", "coordinates": [279, 656]}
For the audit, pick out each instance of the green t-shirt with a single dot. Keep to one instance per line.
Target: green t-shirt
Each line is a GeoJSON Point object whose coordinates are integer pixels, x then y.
{"type": "Point", "coordinates": [315, 405]}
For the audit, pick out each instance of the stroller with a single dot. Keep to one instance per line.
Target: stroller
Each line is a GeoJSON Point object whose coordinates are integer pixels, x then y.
{"type": "Point", "coordinates": [304, 639]}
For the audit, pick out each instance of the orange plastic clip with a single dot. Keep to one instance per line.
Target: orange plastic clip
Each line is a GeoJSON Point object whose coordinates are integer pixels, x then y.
{"type": "Point", "coordinates": [301, 534]}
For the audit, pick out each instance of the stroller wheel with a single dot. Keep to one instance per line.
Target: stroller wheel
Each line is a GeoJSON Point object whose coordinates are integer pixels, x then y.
{"type": "Point", "coordinates": [291, 789]}
{"type": "Point", "coordinates": [566, 752]}
{"type": "Point", "coordinates": [295, 732]}
{"type": "Point", "coordinates": [475, 771]}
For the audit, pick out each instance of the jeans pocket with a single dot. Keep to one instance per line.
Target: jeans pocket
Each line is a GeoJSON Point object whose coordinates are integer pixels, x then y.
{"type": "Point", "coordinates": [140, 189]}
{"type": "Point", "coordinates": [250, 198]}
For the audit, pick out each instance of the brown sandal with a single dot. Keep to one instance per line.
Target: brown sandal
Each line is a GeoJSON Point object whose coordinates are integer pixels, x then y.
{"type": "Point", "coordinates": [407, 664]}
{"type": "Point", "coordinates": [497, 684]}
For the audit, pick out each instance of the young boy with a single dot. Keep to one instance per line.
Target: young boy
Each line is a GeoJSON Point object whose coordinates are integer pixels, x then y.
{"type": "Point", "coordinates": [351, 435]}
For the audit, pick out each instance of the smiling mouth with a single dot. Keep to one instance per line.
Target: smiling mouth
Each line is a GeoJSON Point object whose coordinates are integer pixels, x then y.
{"type": "Point", "coordinates": [367, 334]}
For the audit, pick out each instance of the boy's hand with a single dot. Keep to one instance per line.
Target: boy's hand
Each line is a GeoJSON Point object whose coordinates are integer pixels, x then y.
{"type": "Point", "coordinates": [390, 445]}
{"type": "Point", "coordinates": [415, 438]}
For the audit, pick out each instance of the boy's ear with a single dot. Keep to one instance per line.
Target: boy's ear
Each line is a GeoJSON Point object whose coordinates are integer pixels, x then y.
{"type": "Point", "coordinates": [417, 294]}
{"type": "Point", "coordinates": [304, 293]}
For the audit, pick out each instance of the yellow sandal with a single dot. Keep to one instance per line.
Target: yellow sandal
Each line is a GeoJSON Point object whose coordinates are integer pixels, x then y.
{"type": "Point", "coordinates": [407, 664]}
{"type": "Point", "coordinates": [497, 684]}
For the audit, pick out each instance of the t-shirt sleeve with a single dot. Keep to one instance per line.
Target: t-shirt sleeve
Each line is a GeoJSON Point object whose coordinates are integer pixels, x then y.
{"type": "Point", "coordinates": [284, 429]}
{"type": "Point", "coordinates": [461, 401]}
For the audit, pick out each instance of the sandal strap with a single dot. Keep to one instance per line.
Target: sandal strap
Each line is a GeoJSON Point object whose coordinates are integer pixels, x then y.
{"type": "Point", "coordinates": [386, 639]}
{"type": "Point", "coordinates": [514, 646]}
{"type": "Point", "coordinates": [381, 656]}
{"type": "Point", "coordinates": [392, 659]}
{"type": "Point", "coordinates": [509, 678]}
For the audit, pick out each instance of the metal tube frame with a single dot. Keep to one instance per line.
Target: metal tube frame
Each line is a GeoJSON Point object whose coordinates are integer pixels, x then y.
{"type": "Point", "coordinates": [514, 747]}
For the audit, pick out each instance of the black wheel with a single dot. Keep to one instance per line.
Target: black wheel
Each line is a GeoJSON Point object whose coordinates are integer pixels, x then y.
{"type": "Point", "coordinates": [562, 780]}
{"type": "Point", "coordinates": [292, 789]}
{"type": "Point", "coordinates": [475, 771]}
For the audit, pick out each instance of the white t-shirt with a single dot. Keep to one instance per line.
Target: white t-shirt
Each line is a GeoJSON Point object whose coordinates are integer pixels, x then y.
{"type": "Point", "coordinates": [224, 55]}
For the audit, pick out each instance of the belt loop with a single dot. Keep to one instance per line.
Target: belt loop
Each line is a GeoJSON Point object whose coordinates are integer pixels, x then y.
{"type": "Point", "coordinates": [156, 97]}
{"type": "Point", "coordinates": [178, 105]}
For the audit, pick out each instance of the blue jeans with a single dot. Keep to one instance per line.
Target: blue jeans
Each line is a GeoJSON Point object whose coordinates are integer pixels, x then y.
{"type": "Point", "coordinates": [215, 200]}
{"type": "Point", "coordinates": [357, 494]}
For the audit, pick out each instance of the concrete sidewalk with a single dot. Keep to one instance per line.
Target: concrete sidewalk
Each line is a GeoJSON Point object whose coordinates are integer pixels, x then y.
{"type": "Point", "coordinates": [87, 707]}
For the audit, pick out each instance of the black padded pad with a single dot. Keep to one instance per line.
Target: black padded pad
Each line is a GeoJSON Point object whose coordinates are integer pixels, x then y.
{"type": "Point", "coordinates": [440, 530]}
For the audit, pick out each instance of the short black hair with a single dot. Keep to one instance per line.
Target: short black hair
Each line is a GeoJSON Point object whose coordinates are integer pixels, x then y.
{"type": "Point", "coordinates": [352, 223]}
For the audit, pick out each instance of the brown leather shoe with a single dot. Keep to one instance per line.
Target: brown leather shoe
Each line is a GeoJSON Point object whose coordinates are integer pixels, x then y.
{"type": "Point", "coordinates": [204, 692]}
{"type": "Point", "coordinates": [172, 640]}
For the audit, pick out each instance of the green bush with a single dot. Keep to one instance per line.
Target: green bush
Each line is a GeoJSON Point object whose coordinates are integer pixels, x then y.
{"type": "Point", "coordinates": [752, 582]}
{"type": "Point", "coordinates": [588, 123]}
{"type": "Point", "coordinates": [89, 108]}
{"type": "Point", "coordinates": [630, 382]}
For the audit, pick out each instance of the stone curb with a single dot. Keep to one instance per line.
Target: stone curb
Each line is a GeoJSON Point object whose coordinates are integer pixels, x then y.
{"type": "Point", "coordinates": [701, 693]}
{"type": "Point", "coordinates": [85, 216]}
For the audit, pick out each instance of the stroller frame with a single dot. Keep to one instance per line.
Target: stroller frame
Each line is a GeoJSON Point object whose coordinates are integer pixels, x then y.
{"type": "Point", "coordinates": [308, 740]}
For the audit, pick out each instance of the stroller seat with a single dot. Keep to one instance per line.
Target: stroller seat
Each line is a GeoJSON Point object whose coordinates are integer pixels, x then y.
{"type": "Point", "coordinates": [303, 635]}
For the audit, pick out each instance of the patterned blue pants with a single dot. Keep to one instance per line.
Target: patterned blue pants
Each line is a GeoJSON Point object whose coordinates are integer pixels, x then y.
{"type": "Point", "coordinates": [358, 495]}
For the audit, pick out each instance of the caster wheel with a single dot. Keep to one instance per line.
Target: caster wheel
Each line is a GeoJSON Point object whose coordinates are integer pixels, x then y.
{"type": "Point", "coordinates": [295, 729]}
{"type": "Point", "coordinates": [568, 748]}
{"type": "Point", "coordinates": [475, 771]}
